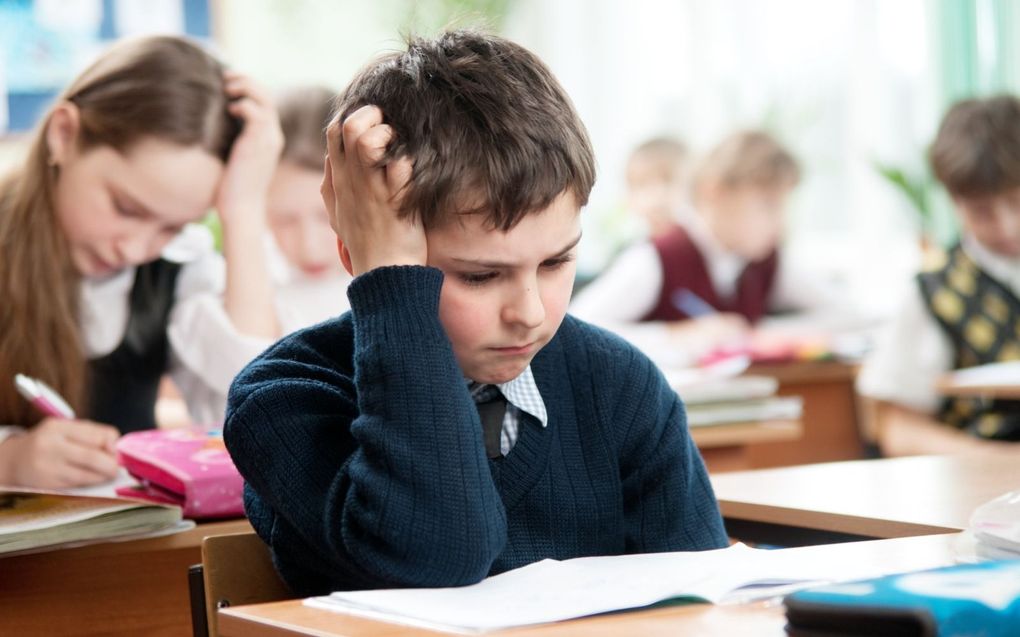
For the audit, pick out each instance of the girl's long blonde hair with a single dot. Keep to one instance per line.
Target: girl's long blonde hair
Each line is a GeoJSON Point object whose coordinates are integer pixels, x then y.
{"type": "Point", "coordinates": [158, 87]}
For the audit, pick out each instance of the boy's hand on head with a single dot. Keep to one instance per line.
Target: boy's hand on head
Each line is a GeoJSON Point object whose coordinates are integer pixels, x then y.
{"type": "Point", "coordinates": [255, 152]}
{"type": "Point", "coordinates": [363, 195]}
{"type": "Point", "coordinates": [58, 453]}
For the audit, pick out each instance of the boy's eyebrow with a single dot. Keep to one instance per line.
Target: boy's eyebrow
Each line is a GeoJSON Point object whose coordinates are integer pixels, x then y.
{"type": "Point", "coordinates": [502, 264]}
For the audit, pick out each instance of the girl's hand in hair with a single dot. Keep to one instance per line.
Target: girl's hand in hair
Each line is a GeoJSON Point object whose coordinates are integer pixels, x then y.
{"type": "Point", "coordinates": [363, 195]}
{"type": "Point", "coordinates": [254, 155]}
{"type": "Point", "coordinates": [58, 454]}
{"type": "Point", "coordinates": [241, 205]}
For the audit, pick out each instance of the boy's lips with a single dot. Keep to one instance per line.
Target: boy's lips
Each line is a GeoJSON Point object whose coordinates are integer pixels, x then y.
{"type": "Point", "coordinates": [516, 350]}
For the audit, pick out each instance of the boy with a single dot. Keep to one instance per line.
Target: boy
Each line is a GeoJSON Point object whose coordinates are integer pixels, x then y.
{"type": "Point", "coordinates": [657, 183]}
{"type": "Point", "coordinates": [455, 423]}
{"type": "Point", "coordinates": [706, 281]}
{"type": "Point", "coordinates": [967, 312]}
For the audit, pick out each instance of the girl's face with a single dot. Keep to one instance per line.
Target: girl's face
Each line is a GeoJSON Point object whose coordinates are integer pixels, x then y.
{"type": "Point", "coordinates": [299, 220]}
{"type": "Point", "coordinates": [119, 210]}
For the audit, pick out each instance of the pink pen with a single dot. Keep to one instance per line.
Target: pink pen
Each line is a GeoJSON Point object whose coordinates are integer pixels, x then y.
{"type": "Point", "coordinates": [43, 397]}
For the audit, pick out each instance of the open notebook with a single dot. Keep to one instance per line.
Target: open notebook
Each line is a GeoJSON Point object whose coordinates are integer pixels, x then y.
{"type": "Point", "coordinates": [551, 590]}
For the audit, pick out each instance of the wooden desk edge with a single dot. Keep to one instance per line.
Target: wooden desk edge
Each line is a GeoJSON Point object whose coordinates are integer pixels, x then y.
{"type": "Point", "coordinates": [827, 521]}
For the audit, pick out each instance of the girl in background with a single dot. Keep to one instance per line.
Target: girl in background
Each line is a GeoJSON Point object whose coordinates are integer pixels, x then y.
{"type": "Point", "coordinates": [311, 284]}
{"type": "Point", "coordinates": [105, 287]}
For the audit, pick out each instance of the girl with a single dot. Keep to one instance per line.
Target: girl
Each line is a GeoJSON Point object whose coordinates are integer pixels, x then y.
{"type": "Point", "coordinates": [311, 283]}
{"type": "Point", "coordinates": [103, 289]}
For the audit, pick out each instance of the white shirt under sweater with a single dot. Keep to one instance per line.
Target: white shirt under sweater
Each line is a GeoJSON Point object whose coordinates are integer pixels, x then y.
{"type": "Point", "coordinates": [206, 351]}
{"type": "Point", "coordinates": [630, 288]}
{"type": "Point", "coordinates": [913, 350]}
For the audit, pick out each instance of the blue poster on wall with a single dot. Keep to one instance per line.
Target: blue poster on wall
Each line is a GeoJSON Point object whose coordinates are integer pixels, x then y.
{"type": "Point", "coordinates": [45, 43]}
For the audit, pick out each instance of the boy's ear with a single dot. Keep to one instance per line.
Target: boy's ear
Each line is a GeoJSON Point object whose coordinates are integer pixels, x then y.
{"type": "Point", "coordinates": [62, 132]}
{"type": "Point", "coordinates": [345, 256]}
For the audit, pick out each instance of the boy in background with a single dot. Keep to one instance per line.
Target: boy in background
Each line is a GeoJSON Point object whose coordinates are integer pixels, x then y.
{"type": "Point", "coordinates": [455, 423]}
{"type": "Point", "coordinates": [966, 312]}
{"type": "Point", "coordinates": [706, 280]}
{"type": "Point", "coordinates": [658, 183]}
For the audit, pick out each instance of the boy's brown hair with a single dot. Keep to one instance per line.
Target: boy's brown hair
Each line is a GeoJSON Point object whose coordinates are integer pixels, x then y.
{"type": "Point", "coordinates": [748, 158]}
{"type": "Point", "coordinates": [669, 154]}
{"type": "Point", "coordinates": [977, 149]}
{"type": "Point", "coordinates": [304, 114]}
{"type": "Point", "coordinates": [487, 126]}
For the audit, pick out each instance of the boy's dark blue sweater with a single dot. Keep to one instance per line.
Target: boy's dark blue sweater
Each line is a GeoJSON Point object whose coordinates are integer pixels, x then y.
{"type": "Point", "coordinates": [365, 465]}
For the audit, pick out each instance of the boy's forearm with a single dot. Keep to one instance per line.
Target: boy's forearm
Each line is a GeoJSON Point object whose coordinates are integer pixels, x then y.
{"type": "Point", "coordinates": [419, 430]}
{"type": "Point", "coordinates": [411, 497]}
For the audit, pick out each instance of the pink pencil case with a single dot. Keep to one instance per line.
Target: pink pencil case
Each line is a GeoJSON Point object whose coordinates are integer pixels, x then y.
{"type": "Point", "coordinates": [188, 467]}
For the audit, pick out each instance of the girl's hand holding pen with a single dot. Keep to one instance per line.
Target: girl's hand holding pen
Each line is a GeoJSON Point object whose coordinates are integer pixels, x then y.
{"type": "Point", "coordinates": [58, 453]}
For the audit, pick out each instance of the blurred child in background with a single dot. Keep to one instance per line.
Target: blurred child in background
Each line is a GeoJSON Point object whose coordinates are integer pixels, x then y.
{"type": "Point", "coordinates": [704, 281]}
{"type": "Point", "coordinates": [966, 312]}
{"type": "Point", "coordinates": [103, 289]}
{"type": "Point", "coordinates": [658, 180]}
{"type": "Point", "coordinates": [311, 283]}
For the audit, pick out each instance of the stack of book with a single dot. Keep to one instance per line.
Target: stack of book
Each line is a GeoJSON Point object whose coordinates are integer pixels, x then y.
{"type": "Point", "coordinates": [34, 520]}
{"type": "Point", "coordinates": [736, 399]}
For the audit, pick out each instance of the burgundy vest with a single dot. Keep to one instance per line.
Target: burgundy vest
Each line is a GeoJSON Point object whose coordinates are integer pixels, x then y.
{"type": "Point", "coordinates": [683, 268]}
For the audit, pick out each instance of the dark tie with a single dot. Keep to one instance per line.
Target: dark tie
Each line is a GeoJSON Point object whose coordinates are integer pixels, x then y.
{"type": "Point", "coordinates": [491, 408]}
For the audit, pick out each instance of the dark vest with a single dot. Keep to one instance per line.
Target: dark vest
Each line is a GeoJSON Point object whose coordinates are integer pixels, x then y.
{"type": "Point", "coordinates": [124, 383]}
{"type": "Point", "coordinates": [684, 268]}
{"type": "Point", "coordinates": [981, 316]}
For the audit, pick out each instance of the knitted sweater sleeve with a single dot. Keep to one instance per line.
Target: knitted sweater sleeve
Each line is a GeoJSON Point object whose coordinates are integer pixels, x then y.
{"type": "Point", "coordinates": [373, 476]}
{"type": "Point", "coordinates": [669, 504]}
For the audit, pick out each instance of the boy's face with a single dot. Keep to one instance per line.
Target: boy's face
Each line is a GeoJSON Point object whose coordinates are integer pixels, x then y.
{"type": "Point", "coordinates": [656, 191]}
{"type": "Point", "coordinates": [747, 220]}
{"type": "Point", "coordinates": [505, 293]}
{"type": "Point", "coordinates": [994, 220]}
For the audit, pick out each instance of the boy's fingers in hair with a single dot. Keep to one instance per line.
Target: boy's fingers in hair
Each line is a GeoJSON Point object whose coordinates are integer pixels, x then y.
{"type": "Point", "coordinates": [328, 195]}
{"type": "Point", "coordinates": [398, 173]}
{"type": "Point", "coordinates": [372, 144]}
{"type": "Point", "coordinates": [358, 122]}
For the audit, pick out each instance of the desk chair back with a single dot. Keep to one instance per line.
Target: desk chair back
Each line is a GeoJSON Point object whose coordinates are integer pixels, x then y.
{"type": "Point", "coordinates": [237, 569]}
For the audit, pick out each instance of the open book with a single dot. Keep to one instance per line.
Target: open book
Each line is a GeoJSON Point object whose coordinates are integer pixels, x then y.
{"type": "Point", "coordinates": [551, 590]}
{"type": "Point", "coordinates": [34, 519]}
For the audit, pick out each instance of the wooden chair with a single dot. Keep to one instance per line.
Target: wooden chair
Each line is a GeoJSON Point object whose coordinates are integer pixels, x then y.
{"type": "Point", "coordinates": [236, 569]}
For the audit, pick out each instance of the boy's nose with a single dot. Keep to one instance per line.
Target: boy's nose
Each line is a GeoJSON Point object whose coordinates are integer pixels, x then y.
{"type": "Point", "coordinates": [525, 308]}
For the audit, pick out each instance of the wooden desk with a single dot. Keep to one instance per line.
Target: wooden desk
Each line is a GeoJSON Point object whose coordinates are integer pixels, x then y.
{"type": "Point", "coordinates": [831, 430]}
{"type": "Point", "coordinates": [292, 619]}
{"type": "Point", "coordinates": [862, 499]}
{"type": "Point", "coordinates": [133, 588]}
{"type": "Point", "coordinates": [726, 447]}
